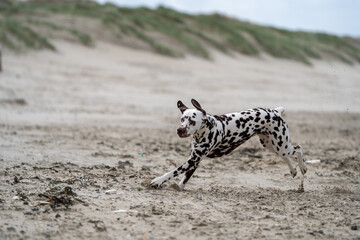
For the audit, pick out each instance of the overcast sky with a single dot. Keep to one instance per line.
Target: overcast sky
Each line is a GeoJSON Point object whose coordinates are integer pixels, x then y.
{"type": "Point", "coordinates": [341, 17]}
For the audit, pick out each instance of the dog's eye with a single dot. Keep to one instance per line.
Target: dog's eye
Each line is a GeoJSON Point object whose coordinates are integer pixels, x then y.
{"type": "Point", "coordinates": [192, 122]}
{"type": "Point", "coordinates": [182, 120]}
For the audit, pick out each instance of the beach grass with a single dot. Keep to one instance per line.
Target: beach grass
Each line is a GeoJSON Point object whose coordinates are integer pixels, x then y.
{"type": "Point", "coordinates": [189, 34]}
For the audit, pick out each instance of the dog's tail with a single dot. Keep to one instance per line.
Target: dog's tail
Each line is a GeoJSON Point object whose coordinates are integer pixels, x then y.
{"type": "Point", "coordinates": [280, 110]}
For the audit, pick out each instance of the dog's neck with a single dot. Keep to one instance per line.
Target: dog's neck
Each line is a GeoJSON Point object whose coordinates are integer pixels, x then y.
{"type": "Point", "coordinates": [207, 123]}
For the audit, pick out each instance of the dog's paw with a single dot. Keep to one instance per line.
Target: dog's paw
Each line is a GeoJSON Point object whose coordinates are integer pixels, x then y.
{"type": "Point", "coordinates": [156, 182]}
{"type": "Point", "coordinates": [293, 173]}
{"type": "Point", "coordinates": [303, 169]}
{"type": "Point", "coordinates": [301, 188]}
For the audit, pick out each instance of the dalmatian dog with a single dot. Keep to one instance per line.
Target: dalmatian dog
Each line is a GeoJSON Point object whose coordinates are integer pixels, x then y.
{"type": "Point", "coordinates": [215, 136]}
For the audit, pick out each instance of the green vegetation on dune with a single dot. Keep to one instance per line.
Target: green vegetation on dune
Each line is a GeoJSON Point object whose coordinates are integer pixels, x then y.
{"type": "Point", "coordinates": [22, 25]}
{"type": "Point", "coordinates": [22, 34]}
{"type": "Point", "coordinates": [82, 37]}
{"type": "Point", "coordinates": [227, 30]}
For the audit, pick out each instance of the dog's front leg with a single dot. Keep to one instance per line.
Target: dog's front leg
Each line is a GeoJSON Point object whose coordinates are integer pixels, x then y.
{"type": "Point", "coordinates": [186, 178]}
{"type": "Point", "coordinates": [189, 166]}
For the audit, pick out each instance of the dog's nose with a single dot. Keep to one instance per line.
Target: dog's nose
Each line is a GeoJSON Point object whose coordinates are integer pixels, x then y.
{"type": "Point", "coordinates": [181, 130]}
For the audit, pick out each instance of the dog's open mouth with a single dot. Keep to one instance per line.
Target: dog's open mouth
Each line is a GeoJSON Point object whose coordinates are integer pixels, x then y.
{"type": "Point", "coordinates": [184, 135]}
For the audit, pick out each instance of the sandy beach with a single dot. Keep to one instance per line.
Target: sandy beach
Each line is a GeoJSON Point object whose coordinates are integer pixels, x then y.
{"type": "Point", "coordinates": [83, 130]}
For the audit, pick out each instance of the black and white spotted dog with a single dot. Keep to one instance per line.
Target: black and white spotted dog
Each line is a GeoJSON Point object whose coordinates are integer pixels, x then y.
{"type": "Point", "coordinates": [215, 136]}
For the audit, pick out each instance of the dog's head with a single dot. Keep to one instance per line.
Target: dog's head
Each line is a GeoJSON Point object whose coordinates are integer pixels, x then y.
{"type": "Point", "coordinates": [191, 119]}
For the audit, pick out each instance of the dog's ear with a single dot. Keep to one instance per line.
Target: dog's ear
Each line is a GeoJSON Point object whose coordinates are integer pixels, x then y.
{"type": "Point", "coordinates": [181, 106]}
{"type": "Point", "coordinates": [198, 106]}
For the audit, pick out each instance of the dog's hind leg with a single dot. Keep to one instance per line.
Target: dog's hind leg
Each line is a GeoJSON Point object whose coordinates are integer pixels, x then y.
{"type": "Point", "coordinates": [290, 150]}
{"type": "Point", "coordinates": [291, 167]}
{"type": "Point", "coordinates": [265, 142]}
{"type": "Point", "coordinates": [300, 159]}
{"type": "Point", "coordinates": [299, 154]}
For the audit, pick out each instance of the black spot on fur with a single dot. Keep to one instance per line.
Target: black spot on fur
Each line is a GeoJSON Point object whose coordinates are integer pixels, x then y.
{"type": "Point", "coordinates": [228, 133]}
{"type": "Point", "coordinates": [275, 134]}
{"type": "Point", "coordinates": [237, 123]}
{"type": "Point", "coordinates": [232, 140]}
{"type": "Point", "coordinates": [211, 134]}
